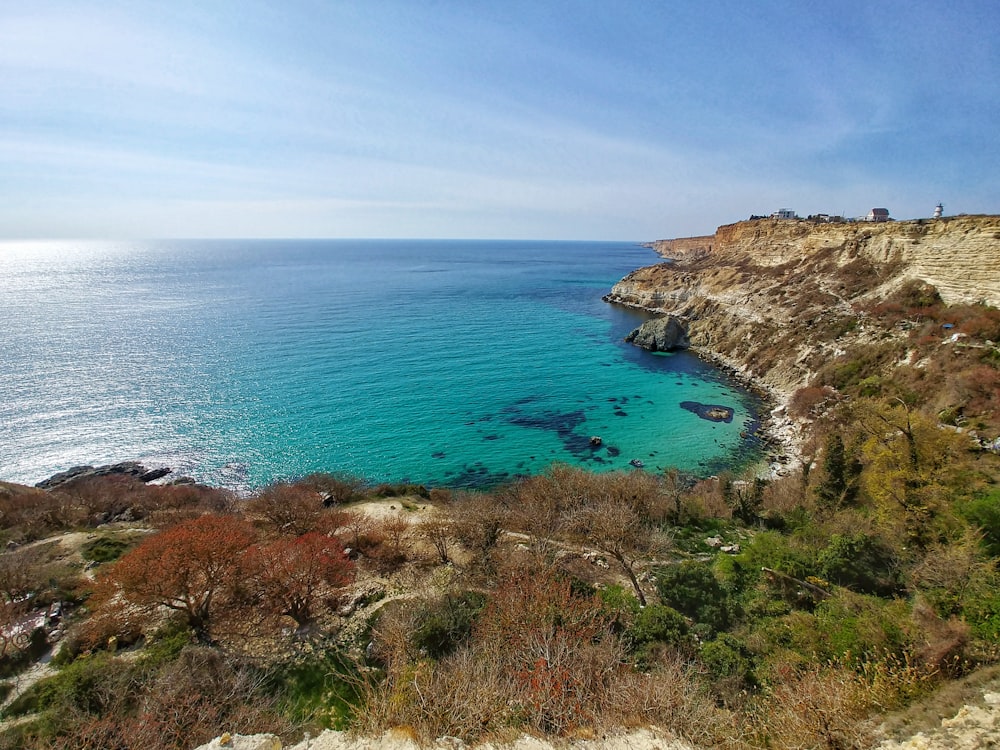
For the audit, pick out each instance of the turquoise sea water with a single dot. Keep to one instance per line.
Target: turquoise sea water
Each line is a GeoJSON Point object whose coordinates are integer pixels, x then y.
{"type": "Point", "coordinates": [240, 362]}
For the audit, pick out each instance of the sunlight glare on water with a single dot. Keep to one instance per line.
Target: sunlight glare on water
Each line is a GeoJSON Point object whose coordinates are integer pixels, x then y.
{"type": "Point", "coordinates": [241, 362]}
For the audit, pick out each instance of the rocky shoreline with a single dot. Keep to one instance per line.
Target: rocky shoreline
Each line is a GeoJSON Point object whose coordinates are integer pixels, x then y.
{"type": "Point", "coordinates": [124, 468]}
{"type": "Point", "coordinates": [781, 305]}
{"type": "Point", "coordinates": [780, 435]}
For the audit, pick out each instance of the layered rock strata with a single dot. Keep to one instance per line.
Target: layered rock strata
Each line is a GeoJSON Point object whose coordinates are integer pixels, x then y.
{"type": "Point", "coordinates": [773, 299]}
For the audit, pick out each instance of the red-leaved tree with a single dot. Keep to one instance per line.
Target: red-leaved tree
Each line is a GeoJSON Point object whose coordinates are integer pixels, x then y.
{"type": "Point", "coordinates": [187, 568]}
{"type": "Point", "coordinates": [291, 575]}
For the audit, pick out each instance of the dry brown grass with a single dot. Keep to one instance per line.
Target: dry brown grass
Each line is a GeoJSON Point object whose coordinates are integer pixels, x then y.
{"type": "Point", "coordinates": [540, 659]}
{"type": "Point", "coordinates": [585, 690]}
{"type": "Point", "coordinates": [830, 706]}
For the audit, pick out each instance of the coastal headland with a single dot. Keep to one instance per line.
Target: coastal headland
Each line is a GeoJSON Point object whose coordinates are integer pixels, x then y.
{"type": "Point", "coordinates": [776, 301]}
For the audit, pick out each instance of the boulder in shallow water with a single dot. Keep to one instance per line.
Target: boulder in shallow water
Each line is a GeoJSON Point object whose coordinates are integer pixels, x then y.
{"type": "Point", "coordinates": [711, 412]}
{"type": "Point", "coordinates": [660, 335]}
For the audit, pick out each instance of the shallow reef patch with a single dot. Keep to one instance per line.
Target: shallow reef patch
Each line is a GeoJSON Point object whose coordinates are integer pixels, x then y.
{"type": "Point", "coordinates": [711, 412]}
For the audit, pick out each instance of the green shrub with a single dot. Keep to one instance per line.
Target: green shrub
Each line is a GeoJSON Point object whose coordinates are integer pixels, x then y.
{"type": "Point", "coordinates": [760, 604]}
{"type": "Point", "coordinates": [847, 372]}
{"type": "Point", "coordinates": [730, 664]}
{"type": "Point", "coordinates": [105, 549]}
{"type": "Point", "coordinates": [86, 685]}
{"type": "Point", "coordinates": [770, 549]}
{"type": "Point", "coordinates": [857, 626]}
{"type": "Point", "coordinates": [103, 701]}
{"type": "Point", "coordinates": [984, 512]}
{"type": "Point", "coordinates": [838, 478]}
{"type": "Point", "coordinates": [870, 386]}
{"type": "Point", "coordinates": [917, 295]}
{"type": "Point", "coordinates": [736, 573]}
{"type": "Point", "coordinates": [982, 613]}
{"type": "Point", "coordinates": [618, 601]}
{"type": "Point", "coordinates": [322, 690]}
{"type": "Point", "coordinates": [691, 536]}
{"type": "Point", "coordinates": [66, 653]}
{"type": "Point", "coordinates": [447, 622]}
{"type": "Point", "coordinates": [656, 626]}
{"type": "Point", "coordinates": [844, 373]}
{"type": "Point", "coordinates": [861, 562]}
{"type": "Point", "coordinates": [692, 588]}
{"type": "Point", "coordinates": [167, 643]}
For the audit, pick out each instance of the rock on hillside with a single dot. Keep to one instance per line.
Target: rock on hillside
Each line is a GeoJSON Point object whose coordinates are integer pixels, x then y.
{"type": "Point", "coordinates": [684, 246]}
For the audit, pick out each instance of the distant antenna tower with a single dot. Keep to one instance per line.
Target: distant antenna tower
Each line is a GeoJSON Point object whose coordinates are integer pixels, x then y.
{"type": "Point", "coordinates": [938, 210]}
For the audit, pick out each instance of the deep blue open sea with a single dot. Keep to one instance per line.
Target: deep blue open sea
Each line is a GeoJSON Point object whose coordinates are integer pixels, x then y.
{"type": "Point", "coordinates": [455, 363]}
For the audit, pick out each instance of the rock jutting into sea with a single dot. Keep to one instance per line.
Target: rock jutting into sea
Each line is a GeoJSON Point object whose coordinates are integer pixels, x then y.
{"type": "Point", "coordinates": [665, 334]}
{"type": "Point", "coordinates": [775, 301]}
{"type": "Point", "coordinates": [130, 468]}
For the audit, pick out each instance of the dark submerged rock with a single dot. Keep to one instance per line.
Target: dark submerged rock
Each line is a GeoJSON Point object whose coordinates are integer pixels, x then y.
{"type": "Point", "coordinates": [711, 412]}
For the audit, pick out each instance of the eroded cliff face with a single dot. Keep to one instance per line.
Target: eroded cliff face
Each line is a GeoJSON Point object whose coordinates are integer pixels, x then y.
{"type": "Point", "coordinates": [774, 299]}
{"type": "Point", "coordinates": [960, 256]}
{"type": "Point", "coordinates": [684, 246]}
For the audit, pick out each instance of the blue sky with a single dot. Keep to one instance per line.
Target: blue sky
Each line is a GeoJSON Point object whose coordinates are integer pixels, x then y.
{"type": "Point", "coordinates": [562, 120]}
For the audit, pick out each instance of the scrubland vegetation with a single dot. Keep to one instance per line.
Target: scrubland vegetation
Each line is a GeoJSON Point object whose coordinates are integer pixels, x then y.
{"type": "Point", "coordinates": [732, 611]}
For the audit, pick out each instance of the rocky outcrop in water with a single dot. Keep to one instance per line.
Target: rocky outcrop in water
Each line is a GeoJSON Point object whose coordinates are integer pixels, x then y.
{"type": "Point", "coordinates": [660, 335]}
{"type": "Point", "coordinates": [711, 412]}
{"type": "Point", "coordinates": [127, 468]}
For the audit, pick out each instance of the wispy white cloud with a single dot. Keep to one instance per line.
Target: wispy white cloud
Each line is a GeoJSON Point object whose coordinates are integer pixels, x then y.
{"type": "Point", "coordinates": [530, 119]}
